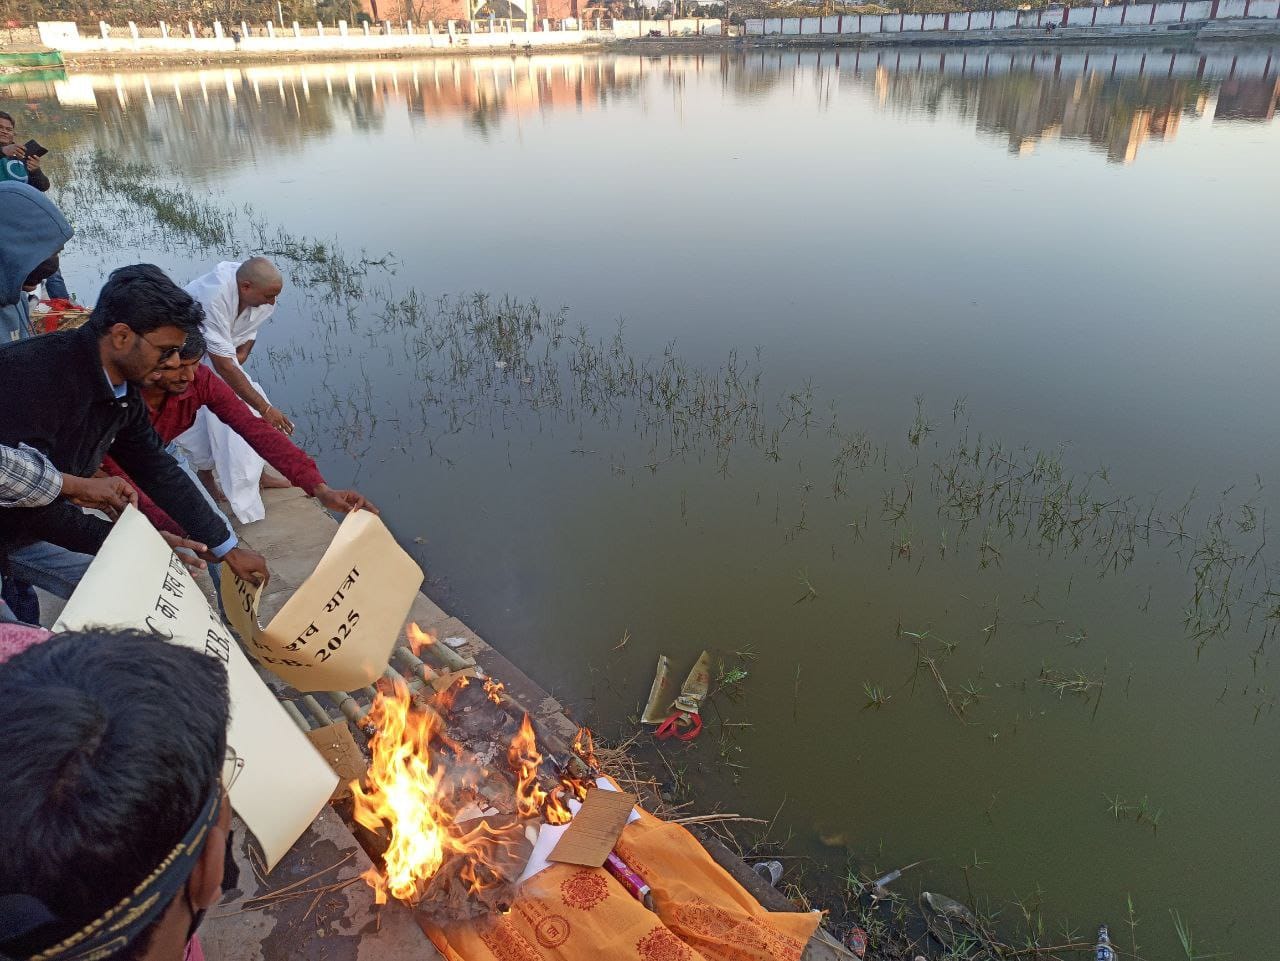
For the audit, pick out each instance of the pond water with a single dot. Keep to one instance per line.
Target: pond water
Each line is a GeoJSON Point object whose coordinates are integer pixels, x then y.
{"type": "Point", "coordinates": [939, 384]}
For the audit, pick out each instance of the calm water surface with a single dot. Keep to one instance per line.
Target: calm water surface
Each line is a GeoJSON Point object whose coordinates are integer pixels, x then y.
{"type": "Point", "coordinates": [1075, 256]}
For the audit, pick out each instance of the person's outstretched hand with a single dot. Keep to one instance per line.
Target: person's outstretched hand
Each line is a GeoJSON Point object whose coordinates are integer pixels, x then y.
{"type": "Point", "coordinates": [249, 566]}
{"type": "Point", "coordinates": [106, 493]}
{"type": "Point", "coordinates": [342, 501]}
{"type": "Point", "coordinates": [187, 556]}
{"type": "Point", "coordinates": [277, 419]}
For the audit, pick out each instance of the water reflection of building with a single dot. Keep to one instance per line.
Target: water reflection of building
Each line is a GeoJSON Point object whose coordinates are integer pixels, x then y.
{"type": "Point", "coordinates": [212, 120]}
{"type": "Point", "coordinates": [1117, 117]}
{"type": "Point", "coordinates": [207, 121]}
{"type": "Point", "coordinates": [512, 88]}
{"type": "Point", "coordinates": [1240, 99]}
{"type": "Point", "coordinates": [1115, 101]}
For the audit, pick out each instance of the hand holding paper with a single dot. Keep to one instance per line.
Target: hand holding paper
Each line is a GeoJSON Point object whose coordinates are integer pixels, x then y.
{"type": "Point", "coordinates": [136, 581]}
{"type": "Point", "coordinates": [337, 630]}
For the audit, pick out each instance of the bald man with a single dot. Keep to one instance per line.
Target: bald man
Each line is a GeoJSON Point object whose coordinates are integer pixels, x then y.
{"type": "Point", "coordinates": [238, 298]}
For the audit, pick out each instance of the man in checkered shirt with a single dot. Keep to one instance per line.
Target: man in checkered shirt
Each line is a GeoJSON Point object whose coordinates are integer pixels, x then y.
{"type": "Point", "coordinates": [28, 479]}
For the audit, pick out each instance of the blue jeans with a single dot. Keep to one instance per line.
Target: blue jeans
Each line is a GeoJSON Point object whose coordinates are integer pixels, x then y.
{"type": "Point", "coordinates": [19, 602]}
{"type": "Point", "coordinates": [49, 567]}
{"type": "Point", "coordinates": [55, 286]}
{"type": "Point", "coordinates": [215, 570]}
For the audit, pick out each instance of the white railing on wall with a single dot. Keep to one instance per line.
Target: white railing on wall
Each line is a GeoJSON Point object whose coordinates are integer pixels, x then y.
{"type": "Point", "coordinates": [1124, 15]}
{"type": "Point", "coordinates": [271, 37]}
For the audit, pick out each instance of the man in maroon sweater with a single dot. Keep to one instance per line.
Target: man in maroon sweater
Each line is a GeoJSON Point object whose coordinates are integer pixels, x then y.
{"type": "Point", "coordinates": [173, 399]}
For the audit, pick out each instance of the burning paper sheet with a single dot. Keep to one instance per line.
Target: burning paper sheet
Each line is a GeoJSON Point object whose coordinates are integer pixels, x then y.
{"type": "Point", "coordinates": [337, 630]}
{"type": "Point", "coordinates": [135, 581]}
{"type": "Point", "coordinates": [549, 835]}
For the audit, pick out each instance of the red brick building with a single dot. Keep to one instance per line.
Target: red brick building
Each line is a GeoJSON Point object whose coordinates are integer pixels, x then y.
{"type": "Point", "coordinates": [422, 11]}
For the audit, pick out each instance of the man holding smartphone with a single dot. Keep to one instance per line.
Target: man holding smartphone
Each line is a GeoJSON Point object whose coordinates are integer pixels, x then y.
{"type": "Point", "coordinates": [21, 162]}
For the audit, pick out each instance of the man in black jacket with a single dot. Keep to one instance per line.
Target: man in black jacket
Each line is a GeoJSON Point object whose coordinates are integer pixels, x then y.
{"type": "Point", "coordinates": [74, 397]}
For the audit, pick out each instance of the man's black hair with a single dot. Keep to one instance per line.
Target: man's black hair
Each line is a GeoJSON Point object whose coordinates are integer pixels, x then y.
{"type": "Point", "coordinates": [8, 117]}
{"type": "Point", "coordinates": [113, 741]}
{"type": "Point", "coordinates": [144, 298]}
{"type": "Point", "coordinates": [42, 272]}
{"type": "Point", "coordinates": [194, 347]}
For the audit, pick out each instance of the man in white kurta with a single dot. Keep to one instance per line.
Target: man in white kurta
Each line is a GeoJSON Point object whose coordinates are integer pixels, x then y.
{"type": "Point", "coordinates": [238, 298]}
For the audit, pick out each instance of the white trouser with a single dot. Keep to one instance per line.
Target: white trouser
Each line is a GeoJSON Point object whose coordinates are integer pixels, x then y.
{"type": "Point", "coordinates": [211, 444]}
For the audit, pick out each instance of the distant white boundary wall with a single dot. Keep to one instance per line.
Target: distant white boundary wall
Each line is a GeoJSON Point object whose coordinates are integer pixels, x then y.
{"type": "Point", "coordinates": [1135, 15]}
{"type": "Point", "coordinates": [1205, 62]}
{"type": "Point", "coordinates": [690, 27]}
{"type": "Point", "coordinates": [316, 38]}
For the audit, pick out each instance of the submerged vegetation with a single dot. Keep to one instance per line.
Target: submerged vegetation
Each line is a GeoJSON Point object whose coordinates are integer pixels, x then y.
{"type": "Point", "coordinates": [478, 361]}
{"type": "Point", "coordinates": [433, 368]}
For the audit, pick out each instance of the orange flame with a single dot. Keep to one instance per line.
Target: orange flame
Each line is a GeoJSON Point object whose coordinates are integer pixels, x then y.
{"type": "Point", "coordinates": [418, 638]}
{"type": "Point", "coordinates": [404, 794]}
{"type": "Point", "coordinates": [409, 795]}
{"type": "Point", "coordinates": [493, 690]}
{"type": "Point", "coordinates": [531, 799]}
{"type": "Point", "coordinates": [584, 745]}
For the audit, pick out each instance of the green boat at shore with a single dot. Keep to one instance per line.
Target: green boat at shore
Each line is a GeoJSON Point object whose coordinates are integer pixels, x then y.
{"type": "Point", "coordinates": [30, 60]}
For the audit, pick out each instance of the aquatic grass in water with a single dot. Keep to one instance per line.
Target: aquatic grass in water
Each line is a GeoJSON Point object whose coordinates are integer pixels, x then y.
{"type": "Point", "coordinates": [200, 222]}
{"type": "Point", "coordinates": [484, 363]}
{"type": "Point", "coordinates": [481, 359]}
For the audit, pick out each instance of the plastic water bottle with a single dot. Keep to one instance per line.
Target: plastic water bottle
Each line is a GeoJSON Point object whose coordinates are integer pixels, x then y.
{"type": "Point", "coordinates": [1104, 950]}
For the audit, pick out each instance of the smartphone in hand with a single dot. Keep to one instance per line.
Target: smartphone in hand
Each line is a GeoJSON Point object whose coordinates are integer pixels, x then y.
{"type": "Point", "coordinates": [34, 149]}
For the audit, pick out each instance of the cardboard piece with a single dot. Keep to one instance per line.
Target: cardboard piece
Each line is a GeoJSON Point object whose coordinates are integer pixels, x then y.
{"type": "Point", "coordinates": [661, 695]}
{"type": "Point", "coordinates": [594, 830]}
{"type": "Point", "coordinates": [337, 630]}
{"type": "Point", "coordinates": [663, 699]}
{"type": "Point", "coordinates": [338, 747]}
{"type": "Point", "coordinates": [136, 581]}
{"type": "Point", "coordinates": [549, 835]}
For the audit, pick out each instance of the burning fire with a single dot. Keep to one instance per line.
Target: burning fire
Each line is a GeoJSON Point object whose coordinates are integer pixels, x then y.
{"type": "Point", "coordinates": [403, 794]}
{"type": "Point", "coordinates": [531, 799]}
{"type": "Point", "coordinates": [493, 690]}
{"type": "Point", "coordinates": [418, 638]}
{"type": "Point", "coordinates": [409, 794]}
{"type": "Point", "coordinates": [584, 745]}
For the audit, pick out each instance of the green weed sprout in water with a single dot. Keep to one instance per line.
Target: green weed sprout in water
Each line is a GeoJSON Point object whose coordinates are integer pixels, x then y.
{"type": "Point", "coordinates": [1182, 930]}
{"type": "Point", "coordinates": [876, 697]}
{"type": "Point", "coordinates": [729, 681]}
{"type": "Point", "coordinates": [1141, 812]}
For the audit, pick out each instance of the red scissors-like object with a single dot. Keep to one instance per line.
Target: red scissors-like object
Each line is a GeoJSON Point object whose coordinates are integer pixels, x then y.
{"type": "Point", "coordinates": [672, 727]}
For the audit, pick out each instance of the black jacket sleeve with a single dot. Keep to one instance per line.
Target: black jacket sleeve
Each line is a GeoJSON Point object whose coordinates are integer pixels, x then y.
{"type": "Point", "coordinates": [138, 449]}
{"type": "Point", "coordinates": [60, 523]}
{"type": "Point", "coordinates": [38, 179]}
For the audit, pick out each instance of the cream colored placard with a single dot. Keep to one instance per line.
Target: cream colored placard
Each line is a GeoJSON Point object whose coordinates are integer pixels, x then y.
{"type": "Point", "coordinates": [337, 630]}
{"type": "Point", "coordinates": [136, 581]}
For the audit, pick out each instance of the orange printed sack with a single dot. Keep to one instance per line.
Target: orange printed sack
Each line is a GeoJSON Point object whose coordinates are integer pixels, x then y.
{"type": "Point", "coordinates": [569, 913]}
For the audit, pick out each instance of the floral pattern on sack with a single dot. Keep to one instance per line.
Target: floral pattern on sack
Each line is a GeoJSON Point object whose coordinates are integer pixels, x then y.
{"type": "Point", "coordinates": [703, 920]}
{"type": "Point", "coordinates": [661, 945]}
{"type": "Point", "coordinates": [584, 890]}
{"type": "Point", "coordinates": [505, 942]}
